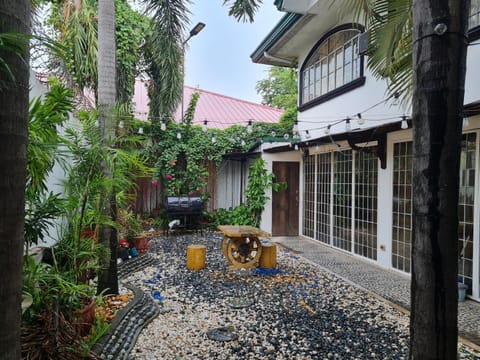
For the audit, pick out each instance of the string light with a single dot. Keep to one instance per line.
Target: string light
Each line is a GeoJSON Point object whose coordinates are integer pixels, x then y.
{"type": "Point", "coordinates": [404, 122]}
{"type": "Point", "coordinates": [213, 139]}
{"type": "Point", "coordinates": [242, 143]}
{"type": "Point", "coordinates": [273, 133]}
{"type": "Point", "coordinates": [249, 127]}
{"type": "Point", "coordinates": [163, 126]}
{"type": "Point", "coordinates": [327, 130]}
{"type": "Point", "coordinates": [360, 120]}
{"type": "Point", "coordinates": [121, 124]}
{"type": "Point", "coordinates": [140, 130]}
{"type": "Point", "coordinates": [97, 124]}
{"type": "Point", "coordinates": [204, 126]}
{"type": "Point", "coordinates": [348, 126]}
{"type": "Point", "coordinates": [307, 134]}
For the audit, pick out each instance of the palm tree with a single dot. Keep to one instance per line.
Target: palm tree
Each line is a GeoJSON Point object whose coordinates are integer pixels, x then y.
{"type": "Point", "coordinates": [107, 279]}
{"type": "Point", "coordinates": [427, 63]}
{"type": "Point", "coordinates": [14, 75]}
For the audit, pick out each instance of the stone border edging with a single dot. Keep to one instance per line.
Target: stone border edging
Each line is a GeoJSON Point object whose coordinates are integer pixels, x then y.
{"type": "Point", "coordinates": [122, 334]}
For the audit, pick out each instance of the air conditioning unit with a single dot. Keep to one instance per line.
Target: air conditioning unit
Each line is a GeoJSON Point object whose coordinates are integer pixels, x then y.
{"type": "Point", "coordinates": [363, 43]}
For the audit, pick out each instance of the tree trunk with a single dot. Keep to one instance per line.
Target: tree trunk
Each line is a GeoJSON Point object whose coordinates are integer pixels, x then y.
{"type": "Point", "coordinates": [439, 63]}
{"type": "Point", "coordinates": [15, 18]}
{"type": "Point", "coordinates": [107, 279]}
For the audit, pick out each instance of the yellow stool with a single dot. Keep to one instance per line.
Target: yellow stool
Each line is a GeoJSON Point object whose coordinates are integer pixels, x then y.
{"type": "Point", "coordinates": [196, 255]}
{"type": "Point", "coordinates": [268, 258]}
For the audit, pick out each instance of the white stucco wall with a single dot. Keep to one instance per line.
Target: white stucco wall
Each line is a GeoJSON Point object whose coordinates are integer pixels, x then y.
{"type": "Point", "coordinates": [57, 175]}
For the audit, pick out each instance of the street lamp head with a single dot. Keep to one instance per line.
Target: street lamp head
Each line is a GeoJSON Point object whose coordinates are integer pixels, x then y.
{"type": "Point", "coordinates": [199, 27]}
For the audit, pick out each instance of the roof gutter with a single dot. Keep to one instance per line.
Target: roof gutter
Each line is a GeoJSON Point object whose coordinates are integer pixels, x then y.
{"type": "Point", "coordinates": [279, 60]}
{"type": "Point", "coordinates": [285, 24]}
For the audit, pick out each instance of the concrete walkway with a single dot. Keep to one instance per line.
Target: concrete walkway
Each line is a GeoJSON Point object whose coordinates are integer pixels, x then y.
{"type": "Point", "coordinates": [388, 284]}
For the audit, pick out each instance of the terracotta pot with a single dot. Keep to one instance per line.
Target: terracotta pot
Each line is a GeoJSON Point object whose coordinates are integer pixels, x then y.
{"type": "Point", "coordinates": [141, 243]}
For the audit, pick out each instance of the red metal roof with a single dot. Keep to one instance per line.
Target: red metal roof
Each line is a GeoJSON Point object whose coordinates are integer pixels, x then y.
{"type": "Point", "coordinates": [220, 111]}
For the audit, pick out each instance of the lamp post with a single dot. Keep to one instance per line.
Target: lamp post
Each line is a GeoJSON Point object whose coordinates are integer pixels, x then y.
{"type": "Point", "coordinates": [196, 29]}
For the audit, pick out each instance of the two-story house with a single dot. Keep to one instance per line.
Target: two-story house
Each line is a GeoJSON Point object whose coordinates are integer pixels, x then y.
{"type": "Point", "coordinates": [351, 175]}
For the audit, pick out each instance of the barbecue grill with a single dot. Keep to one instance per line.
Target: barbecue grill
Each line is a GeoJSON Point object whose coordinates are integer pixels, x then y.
{"type": "Point", "coordinates": [187, 209]}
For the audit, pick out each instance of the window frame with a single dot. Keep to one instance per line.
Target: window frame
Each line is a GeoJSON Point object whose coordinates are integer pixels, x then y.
{"type": "Point", "coordinates": [352, 84]}
{"type": "Point", "coordinates": [474, 31]}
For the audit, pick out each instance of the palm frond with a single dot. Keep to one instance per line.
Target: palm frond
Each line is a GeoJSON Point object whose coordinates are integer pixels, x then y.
{"type": "Point", "coordinates": [243, 10]}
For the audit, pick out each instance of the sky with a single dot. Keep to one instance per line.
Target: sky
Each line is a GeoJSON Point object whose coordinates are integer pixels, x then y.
{"type": "Point", "coordinates": [218, 58]}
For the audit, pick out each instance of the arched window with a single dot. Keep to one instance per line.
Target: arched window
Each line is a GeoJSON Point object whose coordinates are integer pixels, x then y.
{"type": "Point", "coordinates": [334, 63]}
{"type": "Point", "coordinates": [474, 18]}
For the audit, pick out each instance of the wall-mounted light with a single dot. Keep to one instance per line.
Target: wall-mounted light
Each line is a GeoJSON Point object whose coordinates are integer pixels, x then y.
{"type": "Point", "coordinates": [404, 124]}
{"type": "Point", "coordinates": [204, 126]}
{"type": "Point", "coordinates": [179, 135]}
{"type": "Point", "coordinates": [360, 120]}
{"type": "Point", "coordinates": [249, 127]}
{"type": "Point", "coordinates": [348, 126]}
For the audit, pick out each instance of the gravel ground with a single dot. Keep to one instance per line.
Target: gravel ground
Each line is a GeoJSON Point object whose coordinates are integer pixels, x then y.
{"type": "Point", "coordinates": [296, 312]}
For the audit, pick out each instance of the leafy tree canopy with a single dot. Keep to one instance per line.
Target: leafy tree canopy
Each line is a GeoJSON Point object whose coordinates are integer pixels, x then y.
{"type": "Point", "coordinates": [279, 88]}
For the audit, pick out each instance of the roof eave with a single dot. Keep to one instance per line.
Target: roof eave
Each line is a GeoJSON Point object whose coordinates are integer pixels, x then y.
{"type": "Point", "coordinates": [283, 26]}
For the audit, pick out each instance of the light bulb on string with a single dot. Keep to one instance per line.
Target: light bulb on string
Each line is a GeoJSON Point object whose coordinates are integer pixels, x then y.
{"type": "Point", "coordinates": [404, 124]}
{"type": "Point", "coordinates": [121, 124]}
{"type": "Point", "coordinates": [360, 120]}
{"type": "Point", "coordinates": [214, 139]}
{"type": "Point", "coordinates": [307, 134]}
{"type": "Point", "coordinates": [242, 142]}
{"type": "Point", "coordinates": [140, 130]}
{"type": "Point", "coordinates": [179, 135]}
{"type": "Point", "coordinates": [295, 127]}
{"type": "Point", "coordinates": [97, 124]}
{"type": "Point", "coordinates": [348, 126]}
{"type": "Point", "coordinates": [163, 126]}
{"type": "Point", "coordinates": [396, 96]}
{"type": "Point", "coordinates": [249, 127]}
{"type": "Point", "coordinates": [273, 134]}
{"type": "Point", "coordinates": [204, 126]}
{"type": "Point", "coordinates": [327, 130]}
